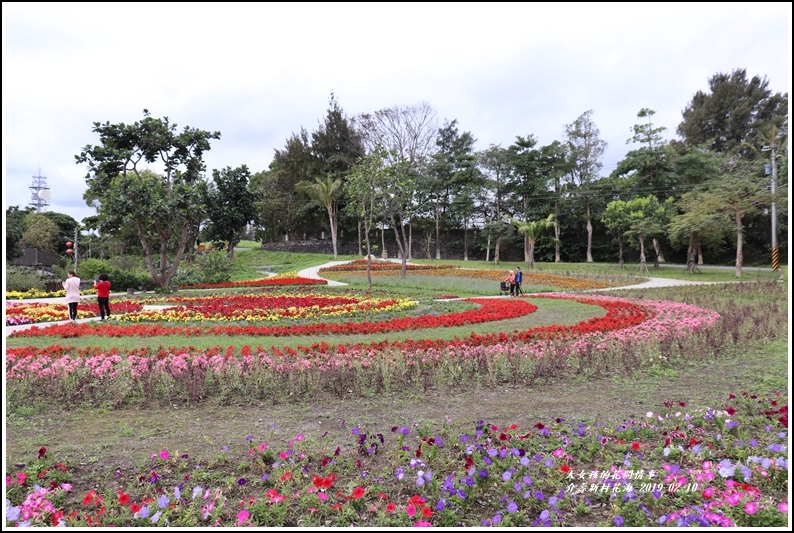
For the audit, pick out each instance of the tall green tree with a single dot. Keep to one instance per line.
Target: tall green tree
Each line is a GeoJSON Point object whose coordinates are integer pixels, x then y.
{"type": "Point", "coordinates": [531, 230]}
{"type": "Point", "coordinates": [585, 149]}
{"type": "Point", "coordinates": [15, 224]}
{"type": "Point", "coordinates": [617, 220]}
{"type": "Point", "coordinates": [231, 206]}
{"type": "Point", "coordinates": [555, 164]}
{"type": "Point", "coordinates": [280, 203]}
{"type": "Point", "coordinates": [646, 218]}
{"type": "Point", "coordinates": [451, 170]}
{"type": "Point", "coordinates": [731, 115]}
{"type": "Point", "coordinates": [42, 233]}
{"type": "Point", "coordinates": [161, 207]}
{"type": "Point", "coordinates": [325, 193]}
{"type": "Point", "coordinates": [494, 162]}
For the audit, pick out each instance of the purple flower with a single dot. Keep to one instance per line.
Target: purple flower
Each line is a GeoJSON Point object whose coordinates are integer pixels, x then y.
{"type": "Point", "coordinates": [539, 495]}
{"type": "Point", "coordinates": [163, 501]}
{"type": "Point", "coordinates": [483, 473]}
{"type": "Point", "coordinates": [241, 481]}
{"type": "Point", "coordinates": [464, 438]}
{"type": "Point", "coordinates": [512, 507]}
{"type": "Point", "coordinates": [527, 480]}
{"type": "Point", "coordinates": [355, 431]}
{"type": "Point", "coordinates": [544, 515]}
{"type": "Point", "coordinates": [405, 430]}
{"type": "Point", "coordinates": [777, 448]}
{"type": "Point", "coordinates": [506, 476]}
{"type": "Point", "coordinates": [249, 438]}
{"type": "Point", "coordinates": [618, 520]}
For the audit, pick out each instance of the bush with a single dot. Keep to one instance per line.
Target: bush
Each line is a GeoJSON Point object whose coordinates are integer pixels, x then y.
{"type": "Point", "coordinates": [120, 279]}
{"type": "Point", "coordinates": [22, 279]}
{"type": "Point", "coordinates": [214, 267]}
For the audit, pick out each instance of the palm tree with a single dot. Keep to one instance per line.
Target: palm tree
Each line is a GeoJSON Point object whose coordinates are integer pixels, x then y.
{"type": "Point", "coordinates": [325, 193]}
{"type": "Point", "coordinates": [532, 230]}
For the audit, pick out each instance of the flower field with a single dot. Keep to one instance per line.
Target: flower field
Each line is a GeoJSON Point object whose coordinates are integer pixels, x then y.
{"type": "Point", "coordinates": [723, 464]}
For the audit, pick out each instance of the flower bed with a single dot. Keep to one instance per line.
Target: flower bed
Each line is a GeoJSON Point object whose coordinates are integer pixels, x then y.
{"type": "Point", "coordinates": [672, 468]}
{"type": "Point", "coordinates": [34, 313]}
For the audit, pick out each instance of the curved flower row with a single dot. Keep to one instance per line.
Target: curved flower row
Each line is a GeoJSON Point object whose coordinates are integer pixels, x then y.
{"type": "Point", "coordinates": [530, 278]}
{"type": "Point", "coordinates": [264, 282]}
{"type": "Point", "coordinates": [361, 264]}
{"type": "Point", "coordinates": [491, 309]}
{"type": "Point", "coordinates": [32, 313]}
{"type": "Point", "coordinates": [259, 308]}
{"type": "Point", "coordinates": [619, 327]}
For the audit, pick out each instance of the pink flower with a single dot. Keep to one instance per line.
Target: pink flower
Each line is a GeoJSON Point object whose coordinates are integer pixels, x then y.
{"type": "Point", "coordinates": [164, 454]}
{"type": "Point", "coordinates": [242, 516]}
{"type": "Point", "coordinates": [750, 507]}
{"type": "Point", "coordinates": [783, 507]}
{"type": "Point", "coordinates": [558, 452]}
{"type": "Point", "coordinates": [323, 496]}
{"type": "Point", "coordinates": [708, 493]}
{"type": "Point", "coordinates": [411, 510]}
{"type": "Point", "coordinates": [422, 523]}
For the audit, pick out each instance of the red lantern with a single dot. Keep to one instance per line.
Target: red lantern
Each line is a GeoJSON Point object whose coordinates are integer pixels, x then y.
{"type": "Point", "coordinates": [69, 251]}
{"type": "Point", "coordinates": [69, 244]}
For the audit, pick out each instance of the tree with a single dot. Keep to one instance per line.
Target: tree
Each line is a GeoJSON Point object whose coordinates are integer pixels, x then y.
{"type": "Point", "coordinates": [365, 187]}
{"type": "Point", "coordinates": [730, 198]}
{"type": "Point", "coordinates": [646, 217]}
{"type": "Point", "coordinates": [585, 149]}
{"type": "Point", "coordinates": [15, 224]}
{"type": "Point", "coordinates": [159, 207]}
{"type": "Point", "coordinates": [230, 206]}
{"type": "Point", "coordinates": [42, 233]}
{"type": "Point", "coordinates": [451, 170]}
{"type": "Point", "coordinates": [617, 221]}
{"type": "Point", "coordinates": [531, 231]}
{"type": "Point", "coordinates": [407, 134]}
{"type": "Point", "coordinates": [694, 227]}
{"type": "Point", "coordinates": [325, 193]}
{"type": "Point", "coordinates": [280, 202]}
{"type": "Point", "coordinates": [554, 164]}
{"type": "Point", "coordinates": [495, 164]}
{"type": "Point", "coordinates": [527, 178]}
{"type": "Point", "coordinates": [733, 113]}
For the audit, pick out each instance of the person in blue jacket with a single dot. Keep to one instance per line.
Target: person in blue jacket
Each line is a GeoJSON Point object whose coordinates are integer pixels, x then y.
{"type": "Point", "coordinates": [519, 279]}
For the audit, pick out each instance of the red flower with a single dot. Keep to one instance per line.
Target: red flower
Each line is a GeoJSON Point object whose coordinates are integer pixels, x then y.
{"type": "Point", "coordinates": [42, 452]}
{"type": "Point", "coordinates": [89, 497]}
{"type": "Point", "coordinates": [124, 498]}
{"type": "Point", "coordinates": [731, 396]}
{"type": "Point", "coordinates": [134, 507]}
{"type": "Point", "coordinates": [317, 481]}
{"type": "Point", "coordinates": [336, 507]}
{"type": "Point", "coordinates": [682, 404]}
{"type": "Point", "coordinates": [383, 496]}
{"type": "Point", "coordinates": [285, 476]}
{"type": "Point", "coordinates": [427, 512]}
{"type": "Point", "coordinates": [565, 469]}
{"type": "Point", "coordinates": [731, 411]}
{"type": "Point", "coordinates": [417, 500]}
{"type": "Point", "coordinates": [358, 492]}
{"type": "Point", "coordinates": [635, 446]}
{"type": "Point", "coordinates": [390, 507]}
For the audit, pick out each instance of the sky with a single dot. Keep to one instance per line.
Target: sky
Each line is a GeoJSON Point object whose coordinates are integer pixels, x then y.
{"type": "Point", "coordinates": [259, 72]}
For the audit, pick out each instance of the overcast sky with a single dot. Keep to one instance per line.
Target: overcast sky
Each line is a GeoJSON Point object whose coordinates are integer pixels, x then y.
{"type": "Point", "coordinates": [258, 72]}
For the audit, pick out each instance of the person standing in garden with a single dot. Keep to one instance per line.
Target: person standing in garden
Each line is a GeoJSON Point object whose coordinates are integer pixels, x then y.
{"type": "Point", "coordinates": [519, 279]}
{"type": "Point", "coordinates": [103, 295]}
{"type": "Point", "coordinates": [511, 280]}
{"type": "Point", "coordinates": [72, 287]}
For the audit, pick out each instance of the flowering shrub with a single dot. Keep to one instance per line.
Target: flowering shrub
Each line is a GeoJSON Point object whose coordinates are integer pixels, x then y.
{"type": "Point", "coordinates": [275, 281]}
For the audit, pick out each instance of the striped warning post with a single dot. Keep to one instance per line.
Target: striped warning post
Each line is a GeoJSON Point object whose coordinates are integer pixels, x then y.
{"type": "Point", "coordinates": [775, 260]}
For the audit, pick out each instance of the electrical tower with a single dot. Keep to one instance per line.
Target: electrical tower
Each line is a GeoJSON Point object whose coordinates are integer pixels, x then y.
{"type": "Point", "coordinates": [40, 193]}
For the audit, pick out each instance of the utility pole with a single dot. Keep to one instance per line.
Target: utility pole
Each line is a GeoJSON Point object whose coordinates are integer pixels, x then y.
{"type": "Point", "coordinates": [773, 189]}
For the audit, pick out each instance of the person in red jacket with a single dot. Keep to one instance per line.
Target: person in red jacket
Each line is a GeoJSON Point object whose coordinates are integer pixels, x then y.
{"type": "Point", "coordinates": [103, 295]}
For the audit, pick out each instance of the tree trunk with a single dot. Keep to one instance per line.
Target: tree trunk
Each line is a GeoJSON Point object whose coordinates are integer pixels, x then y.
{"type": "Point", "coordinates": [589, 237]}
{"type": "Point", "coordinates": [527, 251]}
{"type": "Point", "coordinates": [643, 266]}
{"type": "Point", "coordinates": [621, 263]}
{"type": "Point", "coordinates": [488, 249]}
{"type": "Point", "coordinates": [739, 242]}
{"type": "Point", "coordinates": [556, 234]}
{"type": "Point", "coordinates": [465, 240]}
{"type": "Point", "coordinates": [531, 258]}
{"type": "Point", "coordinates": [359, 237]}
{"type": "Point", "coordinates": [410, 240]}
{"type": "Point", "coordinates": [659, 252]}
{"type": "Point", "coordinates": [332, 222]}
{"type": "Point", "coordinates": [438, 234]}
{"type": "Point", "coordinates": [496, 250]}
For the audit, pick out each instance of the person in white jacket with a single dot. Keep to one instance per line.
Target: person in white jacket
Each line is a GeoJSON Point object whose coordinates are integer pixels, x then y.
{"type": "Point", "coordinates": [72, 287]}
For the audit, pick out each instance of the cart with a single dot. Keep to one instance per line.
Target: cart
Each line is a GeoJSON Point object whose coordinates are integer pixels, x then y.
{"type": "Point", "coordinates": [504, 288]}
